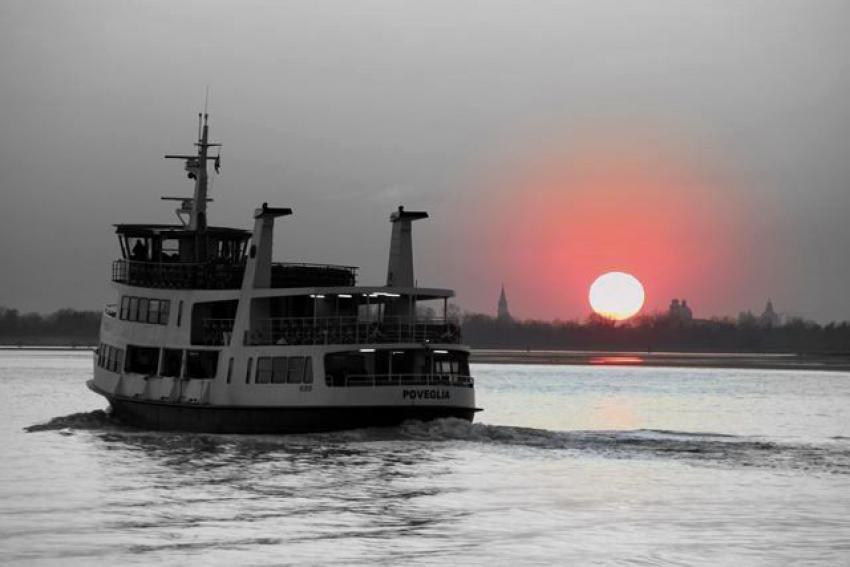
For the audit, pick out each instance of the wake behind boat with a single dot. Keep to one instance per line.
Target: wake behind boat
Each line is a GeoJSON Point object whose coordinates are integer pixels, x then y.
{"type": "Point", "coordinates": [207, 333]}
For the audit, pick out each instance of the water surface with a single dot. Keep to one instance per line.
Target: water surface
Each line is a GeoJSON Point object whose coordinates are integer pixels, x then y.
{"type": "Point", "coordinates": [567, 465]}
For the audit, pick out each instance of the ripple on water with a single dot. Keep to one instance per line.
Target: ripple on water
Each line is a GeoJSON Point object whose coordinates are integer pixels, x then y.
{"type": "Point", "coordinates": [578, 466]}
{"type": "Point", "coordinates": [697, 447]}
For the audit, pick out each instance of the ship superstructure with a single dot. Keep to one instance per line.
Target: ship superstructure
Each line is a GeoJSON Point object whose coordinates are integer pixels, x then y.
{"type": "Point", "coordinates": [208, 333]}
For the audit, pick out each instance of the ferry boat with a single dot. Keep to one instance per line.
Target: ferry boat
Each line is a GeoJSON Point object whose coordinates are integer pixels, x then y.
{"type": "Point", "coordinates": [207, 333]}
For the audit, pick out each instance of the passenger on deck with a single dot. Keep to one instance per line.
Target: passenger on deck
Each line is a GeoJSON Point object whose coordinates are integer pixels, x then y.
{"type": "Point", "coordinates": [140, 252]}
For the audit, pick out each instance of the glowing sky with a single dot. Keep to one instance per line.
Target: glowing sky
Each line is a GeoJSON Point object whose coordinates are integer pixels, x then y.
{"type": "Point", "coordinates": [570, 215]}
{"type": "Point", "coordinates": [701, 145]}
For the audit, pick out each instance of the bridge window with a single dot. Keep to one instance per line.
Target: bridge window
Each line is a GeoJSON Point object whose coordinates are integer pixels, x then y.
{"type": "Point", "coordinates": [117, 359]}
{"type": "Point", "coordinates": [144, 310]}
{"type": "Point", "coordinates": [201, 363]}
{"type": "Point", "coordinates": [109, 357]}
{"type": "Point", "coordinates": [284, 370]}
{"type": "Point", "coordinates": [339, 365]}
{"type": "Point", "coordinates": [153, 311]}
{"type": "Point", "coordinates": [172, 360]}
{"type": "Point", "coordinates": [142, 360]}
{"type": "Point", "coordinates": [279, 370]}
{"type": "Point", "coordinates": [308, 370]}
{"type": "Point", "coordinates": [264, 370]}
{"type": "Point", "coordinates": [295, 373]}
{"type": "Point", "coordinates": [451, 363]}
{"type": "Point", "coordinates": [386, 367]}
{"type": "Point", "coordinates": [212, 322]}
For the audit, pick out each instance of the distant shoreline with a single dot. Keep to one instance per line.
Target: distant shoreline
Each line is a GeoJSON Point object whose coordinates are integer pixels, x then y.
{"type": "Point", "coordinates": [838, 362]}
{"type": "Point", "coordinates": [763, 361]}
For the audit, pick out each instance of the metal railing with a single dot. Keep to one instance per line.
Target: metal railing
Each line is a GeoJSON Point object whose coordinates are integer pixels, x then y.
{"type": "Point", "coordinates": [210, 275]}
{"type": "Point", "coordinates": [373, 380]}
{"type": "Point", "coordinates": [351, 330]}
{"type": "Point", "coordinates": [223, 275]}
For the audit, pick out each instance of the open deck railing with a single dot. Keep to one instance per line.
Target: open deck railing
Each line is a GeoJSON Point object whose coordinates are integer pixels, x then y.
{"type": "Point", "coordinates": [223, 275]}
{"type": "Point", "coordinates": [211, 275]}
{"type": "Point", "coordinates": [366, 380]}
{"type": "Point", "coordinates": [351, 330]}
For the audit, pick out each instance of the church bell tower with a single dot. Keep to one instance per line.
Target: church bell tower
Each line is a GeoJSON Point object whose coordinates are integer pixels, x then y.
{"type": "Point", "coordinates": [503, 314]}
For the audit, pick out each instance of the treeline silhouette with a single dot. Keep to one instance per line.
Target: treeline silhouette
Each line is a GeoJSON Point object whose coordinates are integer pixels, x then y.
{"type": "Point", "coordinates": [63, 327]}
{"type": "Point", "coordinates": [645, 333]}
{"type": "Point", "coordinates": [658, 333]}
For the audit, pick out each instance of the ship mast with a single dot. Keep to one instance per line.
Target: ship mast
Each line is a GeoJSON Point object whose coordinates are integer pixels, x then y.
{"type": "Point", "coordinates": [196, 166]}
{"type": "Point", "coordinates": [199, 210]}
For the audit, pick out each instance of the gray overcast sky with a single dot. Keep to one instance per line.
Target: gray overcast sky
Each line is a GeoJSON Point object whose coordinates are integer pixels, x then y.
{"type": "Point", "coordinates": [345, 109]}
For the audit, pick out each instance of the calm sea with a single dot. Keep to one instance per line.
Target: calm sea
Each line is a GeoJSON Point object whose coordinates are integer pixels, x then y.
{"type": "Point", "coordinates": [567, 465]}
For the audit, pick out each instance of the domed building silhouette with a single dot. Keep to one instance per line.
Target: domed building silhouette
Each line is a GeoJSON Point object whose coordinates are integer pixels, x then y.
{"type": "Point", "coordinates": [680, 311]}
{"type": "Point", "coordinates": [769, 317]}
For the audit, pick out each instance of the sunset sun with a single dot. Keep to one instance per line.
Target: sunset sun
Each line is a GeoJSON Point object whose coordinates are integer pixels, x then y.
{"type": "Point", "coordinates": [616, 295]}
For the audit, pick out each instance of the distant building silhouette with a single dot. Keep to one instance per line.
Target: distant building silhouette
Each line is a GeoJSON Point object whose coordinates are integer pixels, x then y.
{"type": "Point", "coordinates": [769, 317]}
{"type": "Point", "coordinates": [747, 319]}
{"type": "Point", "coordinates": [502, 314]}
{"type": "Point", "coordinates": [679, 311]}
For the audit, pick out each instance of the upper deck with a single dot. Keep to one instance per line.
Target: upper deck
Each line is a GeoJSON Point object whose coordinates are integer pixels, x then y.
{"type": "Point", "coordinates": [213, 275]}
{"type": "Point", "coordinates": [165, 256]}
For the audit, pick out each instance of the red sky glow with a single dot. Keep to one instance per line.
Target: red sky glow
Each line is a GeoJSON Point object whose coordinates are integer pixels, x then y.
{"type": "Point", "coordinates": [551, 226]}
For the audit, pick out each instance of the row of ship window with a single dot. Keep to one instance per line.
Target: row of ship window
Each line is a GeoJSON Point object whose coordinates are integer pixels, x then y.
{"type": "Point", "coordinates": [144, 310]}
{"type": "Point", "coordinates": [174, 363]}
{"type": "Point", "coordinates": [451, 366]}
{"type": "Point", "coordinates": [110, 357]}
{"type": "Point", "coordinates": [178, 363]}
{"type": "Point", "coordinates": [278, 370]}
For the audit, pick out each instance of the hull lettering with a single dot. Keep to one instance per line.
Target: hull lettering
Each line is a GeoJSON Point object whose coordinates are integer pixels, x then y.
{"type": "Point", "coordinates": [425, 395]}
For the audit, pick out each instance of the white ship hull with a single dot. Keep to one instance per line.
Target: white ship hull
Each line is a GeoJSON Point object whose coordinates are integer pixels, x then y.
{"type": "Point", "coordinates": [181, 416]}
